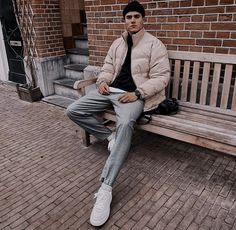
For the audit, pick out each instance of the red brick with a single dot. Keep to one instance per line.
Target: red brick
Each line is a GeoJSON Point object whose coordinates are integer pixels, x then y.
{"type": "Point", "coordinates": [210, 10]}
{"type": "Point", "coordinates": [184, 11]}
{"type": "Point", "coordinates": [172, 19]}
{"type": "Point", "coordinates": [162, 4]}
{"type": "Point", "coordinates": [184, 19]}
{"type": "Point", "coordinates": [232, 51]}
{"type": "Point", "coordinates": [173, 26]}
{"type": "Point", "coordinates": [225, 17]}
{"type": "Point", "coordinates": [161, 19]}
{"type": "Point", "coordinates": [185, 3]}
{"type": "Point", "coordinates": [166, 40]}
{"type": "Point", "coordinates": [152, 20]}
{"type": "Point", "coordinates": [161, 34]}
{"type": "Point", "coordinates": [208, 42]}
{"type": "Point", "coordinates": [182, 34]}
{"type": "Point", "coordinates": [210, 18]}
{"type": "Point", "coordinates": [233, 35]}
{"type": "Point", "coordinates": [197, 26]}
{"type": "Point", "coordinates": [209, 34]}
{"type": "Point", "coordinates": [174, 4]}
{"type": "Point", "coordinates": [108, 2]}
{"type": "Point", "coordinates": [197, 18]}
{"type": "Point", "coordinates": [162, 12]}
{"type": "Point", "coordinates": [211, 2]}
{"type": "Point", "coordinates": [230, 9]}
{"type": "Point", "coordinates": [230, 43]}
{"type": "Point", "coordinates": [184, 41]}
{"type": "Point", "coordinates": [223, 35]}
{"type": "Point", "coordinates": [172, 34]}
{"type": "Point", "coordinates": [198, 2]}
{"type": "Point", "coordinates": [223, 26]}
{"type": "Point", "coordinates": [222, 50]}
{"type": "Point", "coordinates": [225, 2]}
{"type": "Point", "coordinates": [152, 5]}
{"type": "Point", "coordinates": [196, 34]}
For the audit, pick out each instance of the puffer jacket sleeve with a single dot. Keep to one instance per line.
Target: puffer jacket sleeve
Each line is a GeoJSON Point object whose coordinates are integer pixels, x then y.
{"type": "Point", "coordinates": [108, 69]}
{"type": "Point", "coordinates": [159, 73]}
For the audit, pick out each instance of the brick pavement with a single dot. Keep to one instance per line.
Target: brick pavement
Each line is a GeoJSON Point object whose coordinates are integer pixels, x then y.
{"type": "Point", "coordinates": [47, 178]}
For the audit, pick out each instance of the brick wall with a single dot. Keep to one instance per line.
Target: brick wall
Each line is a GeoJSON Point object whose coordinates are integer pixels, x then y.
{"type": "Point", "coordinates": [190, 25]}
{"type": "Point", "coordinates": [47, 28]}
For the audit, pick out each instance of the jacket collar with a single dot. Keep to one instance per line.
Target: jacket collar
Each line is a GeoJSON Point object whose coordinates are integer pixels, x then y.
{"type": "Point", "coordinates": [135, 37]}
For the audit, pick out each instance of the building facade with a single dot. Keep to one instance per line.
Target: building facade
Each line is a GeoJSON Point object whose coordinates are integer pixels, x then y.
{"type": "Point", "coordinates": [52, 28]}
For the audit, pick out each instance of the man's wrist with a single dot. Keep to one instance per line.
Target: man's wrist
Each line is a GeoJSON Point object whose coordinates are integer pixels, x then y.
{"type": "Point", "coordinates": [138, 94]}
{"type": "Point", "coordinates": [98, 83]}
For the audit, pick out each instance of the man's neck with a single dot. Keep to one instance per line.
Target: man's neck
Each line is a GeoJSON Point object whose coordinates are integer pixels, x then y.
{"type": "Point", "coordinates": [134, 32]}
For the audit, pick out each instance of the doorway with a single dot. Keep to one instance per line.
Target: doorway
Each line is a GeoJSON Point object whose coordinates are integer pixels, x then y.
{"type": "Point", "coordinates": [73, 21]}
{"type": "Point", "coordinates": [13, 42]}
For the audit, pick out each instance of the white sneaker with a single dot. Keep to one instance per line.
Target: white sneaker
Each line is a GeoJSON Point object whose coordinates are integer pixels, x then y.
{"type": "Point", "coordinates": [111, 140]}
{"type": "Point", "coordinates": [101, 209]}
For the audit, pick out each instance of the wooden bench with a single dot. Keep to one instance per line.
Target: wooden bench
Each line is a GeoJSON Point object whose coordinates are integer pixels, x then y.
{"type": "Point", "coordinates": [205, 86]}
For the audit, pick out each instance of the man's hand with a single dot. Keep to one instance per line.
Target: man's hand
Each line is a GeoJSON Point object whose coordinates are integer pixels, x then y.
{"type": "Point", "coordinates": [103, 88]}
{"type": "Point", "coordinates": [128, 97]}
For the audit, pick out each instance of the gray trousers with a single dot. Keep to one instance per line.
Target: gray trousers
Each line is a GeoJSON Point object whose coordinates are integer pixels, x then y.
{"type": "Point", "coordinates": [82, 113]}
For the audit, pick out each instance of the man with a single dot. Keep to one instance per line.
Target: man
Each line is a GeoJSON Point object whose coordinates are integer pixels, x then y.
{"type": "Point", "coordinates": [132, 80]}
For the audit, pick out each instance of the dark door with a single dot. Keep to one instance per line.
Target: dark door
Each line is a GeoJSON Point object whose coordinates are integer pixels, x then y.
{"type": "Point", "coordinates": [13, 42]}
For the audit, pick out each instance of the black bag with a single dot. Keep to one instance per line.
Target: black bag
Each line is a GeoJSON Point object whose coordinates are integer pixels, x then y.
{"type": "Point", "coordinates": [169, 106]}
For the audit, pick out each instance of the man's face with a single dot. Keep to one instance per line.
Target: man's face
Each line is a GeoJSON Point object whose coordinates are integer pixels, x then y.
{"type": "Point", "coordinates": [133, 22]}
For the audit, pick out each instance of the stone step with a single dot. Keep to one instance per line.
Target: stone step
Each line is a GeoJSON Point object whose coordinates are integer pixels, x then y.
{"type": "Point", "coordinates": [64, 87]}
{"type": "Point", "coordinates": [78, 56]}
{"type": "Point", "coordinates": [81, 41]}
{"type": "Point", "coordinates": [75, 71]}
{"type": "Point", "coordinates": [58, 100]}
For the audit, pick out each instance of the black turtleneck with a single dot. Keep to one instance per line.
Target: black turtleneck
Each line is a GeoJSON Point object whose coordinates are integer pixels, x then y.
{"type": "Point", "coordinates": [124, 80]}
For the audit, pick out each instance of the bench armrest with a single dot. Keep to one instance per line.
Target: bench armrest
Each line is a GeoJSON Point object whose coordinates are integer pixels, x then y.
{"type": "Point", "coordinates": [83, 83]}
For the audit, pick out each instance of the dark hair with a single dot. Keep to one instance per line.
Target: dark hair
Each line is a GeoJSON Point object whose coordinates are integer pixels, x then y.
{"type": "Point", "coordinates": [134, 6]}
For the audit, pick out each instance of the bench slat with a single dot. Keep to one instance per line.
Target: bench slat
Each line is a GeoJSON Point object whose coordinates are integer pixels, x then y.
{"type": "Point", "coordinates": [203, 57]}
{"type": "Point", "coordinates": [168, 88]}
{"type": "Point", "coordinates": [226, 148]}
{"type": "Point", "coordinates": [226, 86]}
{"type": "Point", "coordinates": [233, 107]}
{"type": "Point", "coordinates": [215, 85]}
{"type": "Point", "coordinates": [185, 81]}
{"type": "Point", "coordinates": [194, 128]}
{"type": "Point", "coordinates": [205, 119]}
{"type": "Point", "coordinates": [227, 113]}
{"type": "Point", "coordinates": [176, 79]}
{"type": "Point", "coordinates": [194, 85]}
{"type": "Point", "coordinates": [204, 86]}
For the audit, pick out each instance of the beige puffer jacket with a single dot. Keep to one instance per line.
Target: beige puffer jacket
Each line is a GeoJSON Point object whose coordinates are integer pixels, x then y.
{"type": "Point", "coordinates": [149, 66]}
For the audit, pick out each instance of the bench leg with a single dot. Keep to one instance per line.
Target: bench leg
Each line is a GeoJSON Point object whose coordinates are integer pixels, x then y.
{"type": "Point", "coordinates": [85, 138]}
